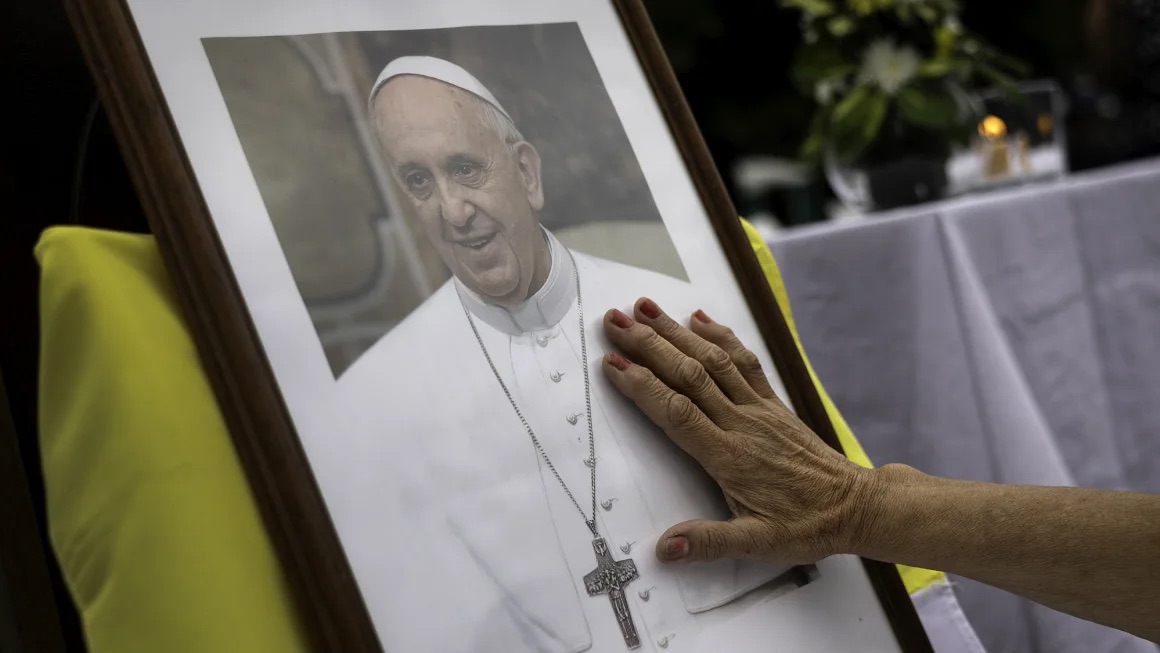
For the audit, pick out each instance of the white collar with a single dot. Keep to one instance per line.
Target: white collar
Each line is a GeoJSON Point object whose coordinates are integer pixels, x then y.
{"type": "Point", "coordinates": [541, 311]}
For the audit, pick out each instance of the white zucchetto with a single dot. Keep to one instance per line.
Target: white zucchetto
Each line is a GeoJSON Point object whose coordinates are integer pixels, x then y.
{"type": "Point", "coordinates": [439, 69]}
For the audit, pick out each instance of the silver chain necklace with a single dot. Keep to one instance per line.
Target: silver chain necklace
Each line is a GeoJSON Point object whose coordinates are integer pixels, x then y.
{"type": "Point", "coordinates": [591, 462]}
{"type": "Point", "coordinates": [610, 576]}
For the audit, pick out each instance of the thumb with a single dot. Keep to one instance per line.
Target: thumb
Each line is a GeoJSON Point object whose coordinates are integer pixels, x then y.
{"type": "Point", "coordinates": [702, 540]}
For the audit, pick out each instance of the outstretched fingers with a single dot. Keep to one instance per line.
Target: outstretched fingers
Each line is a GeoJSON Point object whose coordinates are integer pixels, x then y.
{"type": "Point", "coordinates": [713, 358]}
{"type": "Point", "coordinates": [746, 362]}
{"type": "Point", "coordinates": [672, 411]}
{"type": "Point", "coordinates": [683, 374]}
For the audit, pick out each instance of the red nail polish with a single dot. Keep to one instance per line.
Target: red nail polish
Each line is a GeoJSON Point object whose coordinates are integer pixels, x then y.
{"type": "Point", "coordinates": [701, 317]}
{"type": "Point", "coordinates": [676, 547]}
{"type": "Point", "coordinates": [619, 362]}
{"type": "Point", "coordinates": [650, 309]}
{"type": "Point", "coordinates": [620, 319]}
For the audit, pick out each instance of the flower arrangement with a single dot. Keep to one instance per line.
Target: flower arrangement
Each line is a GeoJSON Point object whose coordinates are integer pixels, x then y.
{"type": "Point", "coordinates": [875, 63]}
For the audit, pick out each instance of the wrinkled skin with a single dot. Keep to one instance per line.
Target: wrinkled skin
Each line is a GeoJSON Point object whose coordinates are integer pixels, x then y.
{"type": "Point", "coordinates": [794, 499]}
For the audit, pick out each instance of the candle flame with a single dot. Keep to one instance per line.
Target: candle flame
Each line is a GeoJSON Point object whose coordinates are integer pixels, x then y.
{"type": "Point", "coordinates": [992, 128]}
{"type": "Point", "coordinates": [1046, 123]}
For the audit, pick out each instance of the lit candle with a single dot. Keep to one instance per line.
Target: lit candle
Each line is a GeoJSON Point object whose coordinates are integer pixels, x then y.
{"type": "Point", "coordinates": [996, 157]}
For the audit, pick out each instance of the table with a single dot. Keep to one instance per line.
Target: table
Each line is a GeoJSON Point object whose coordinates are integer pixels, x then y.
{"type": "Point", "coordinates": [1012, 337]}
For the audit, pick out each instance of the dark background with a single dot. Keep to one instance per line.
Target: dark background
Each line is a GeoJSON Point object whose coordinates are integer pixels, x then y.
{"type": "Point", "coordinates": [731, 57]}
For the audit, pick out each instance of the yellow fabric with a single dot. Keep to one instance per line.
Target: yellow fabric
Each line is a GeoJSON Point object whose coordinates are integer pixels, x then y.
{"type": "Point", "coordinates": [914, 578]}
{"type": "Point", "coordinates": [149, 512]}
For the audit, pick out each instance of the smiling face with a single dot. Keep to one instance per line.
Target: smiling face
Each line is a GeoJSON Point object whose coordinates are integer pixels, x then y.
{"type": "Point", "coordinates": [478, 196]}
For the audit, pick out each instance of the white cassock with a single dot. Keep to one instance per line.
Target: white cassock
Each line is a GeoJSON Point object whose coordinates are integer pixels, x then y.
{"type": "Point", "coordinates": [461, 537]}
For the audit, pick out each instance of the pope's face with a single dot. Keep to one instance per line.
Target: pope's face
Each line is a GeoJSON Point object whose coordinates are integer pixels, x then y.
{"type": "Point", "coordinates": [477, 197]}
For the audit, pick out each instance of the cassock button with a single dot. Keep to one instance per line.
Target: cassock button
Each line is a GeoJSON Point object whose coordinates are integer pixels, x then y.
{"type": "Point", "coordinates": [663, 642]}
{"type": "Point", "coordinates": [626, 548]}
{"type": "Point", "coordinates": [607, 503]}
{"type": "Point", "coordinates": [556, 376]}
{"type": "Point", "coordinates": [645, 595]}
{"type": "Point", "coordinates": [573, 418]}
{"type": "Point", "coordinates": [545, 339]}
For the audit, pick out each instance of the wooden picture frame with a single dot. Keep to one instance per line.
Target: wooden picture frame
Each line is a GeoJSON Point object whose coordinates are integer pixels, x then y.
{"type": "Point", "coordinates": [320, 577]}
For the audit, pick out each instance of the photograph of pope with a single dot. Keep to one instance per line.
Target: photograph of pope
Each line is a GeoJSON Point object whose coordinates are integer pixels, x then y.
{"type": "Point", "coordinates": [520, 481]}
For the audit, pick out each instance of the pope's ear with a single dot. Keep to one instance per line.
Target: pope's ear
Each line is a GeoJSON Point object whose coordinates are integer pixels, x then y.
{"type": "Point", "coordinates": [529, 162]}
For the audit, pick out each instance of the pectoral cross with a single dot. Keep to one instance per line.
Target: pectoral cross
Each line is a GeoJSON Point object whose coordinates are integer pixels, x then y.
{"type": "Point", "coordinates": [610, 577]}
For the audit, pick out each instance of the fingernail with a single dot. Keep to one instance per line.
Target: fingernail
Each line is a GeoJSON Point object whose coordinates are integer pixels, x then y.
{"type": "Point", "coordinates": [620, 319]}
{"type": "Point", "coordinates": [650, 309]}
{"type": "Point", "coordinates": [676, 547]}
{"type": "Point", "coordinates": [701, 317]}
{"type": "Point", "coordinates": [619, 362]}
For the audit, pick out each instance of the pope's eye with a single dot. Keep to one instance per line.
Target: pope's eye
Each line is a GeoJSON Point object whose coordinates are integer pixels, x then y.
{"type": "Point", "coordinates": [464, 170]}
{"type": "Point", "coordinates": [417, 181]}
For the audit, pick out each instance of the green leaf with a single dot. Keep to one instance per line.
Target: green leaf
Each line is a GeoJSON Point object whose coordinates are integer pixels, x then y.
{"type": "Point", "coordinates": [945, 39]}
{"type": "Point", "coordinates": [840, 26]}
{"type": "Point", "coordinates": [875, 111]}
{"type": "Point", "coordinates": [811, 149]}
{"type": "Point", "coordinates": [943, 66]}
{"type": "Point", "coordinates": [935, 68]}
{"type": "Point", "coordinates": [851, 104]}
{"type": "Point", "coordinates": [847, 145]}
{"type": "Point", "coordinates": [817, 62]}
{"type": "Point", "coordinates": [926, 109]}
{"type": "Point", "coordinates": [814, 7]}
{"type": "Point", "coordinates": [856, 121]}
{"type": "Point", "coordinates": [927, 13]}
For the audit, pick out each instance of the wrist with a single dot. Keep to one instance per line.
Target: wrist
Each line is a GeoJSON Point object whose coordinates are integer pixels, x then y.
{"type": "Point", "coordinates": [879, 509]}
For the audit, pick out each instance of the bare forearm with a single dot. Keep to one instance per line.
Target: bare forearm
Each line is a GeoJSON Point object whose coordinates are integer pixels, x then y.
{"type": "Point", "coordinates": [1091, 553]}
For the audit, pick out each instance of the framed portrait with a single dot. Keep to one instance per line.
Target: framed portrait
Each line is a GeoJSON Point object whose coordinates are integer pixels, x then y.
{"type": "Point", "coordinates": [395, 228]}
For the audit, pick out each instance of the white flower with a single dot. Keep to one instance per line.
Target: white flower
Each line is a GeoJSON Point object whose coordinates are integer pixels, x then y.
{"type": "Point", "coordinates": [827, 90]}
{"type": "Point", "coordinates": [888, 66]}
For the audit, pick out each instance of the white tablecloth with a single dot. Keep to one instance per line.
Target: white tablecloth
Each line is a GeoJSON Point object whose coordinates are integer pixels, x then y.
{"type": "Point", "coordinates": [1012, 337]}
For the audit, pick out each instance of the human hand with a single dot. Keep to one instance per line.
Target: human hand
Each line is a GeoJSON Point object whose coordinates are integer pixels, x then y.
{"type": "Point", "coordinates": [794, 499]}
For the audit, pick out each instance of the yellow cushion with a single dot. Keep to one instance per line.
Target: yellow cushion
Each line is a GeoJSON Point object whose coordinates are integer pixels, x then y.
{"type": "Point", "coordinates": [149, 512]}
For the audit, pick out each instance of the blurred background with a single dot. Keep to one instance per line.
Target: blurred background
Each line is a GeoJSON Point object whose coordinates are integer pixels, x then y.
{"type": "Point", "coordinates": [962, 197]}
{"type": "Point", "coordinates": [1089, 71]}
